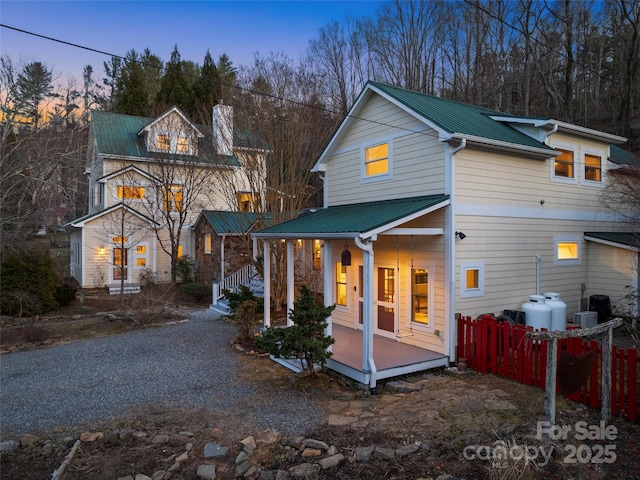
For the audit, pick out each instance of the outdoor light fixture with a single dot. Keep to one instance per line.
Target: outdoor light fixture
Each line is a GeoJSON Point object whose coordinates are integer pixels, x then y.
{"type": "Point", "coordinates": [102, 250]}
{"type": "Point", "coordinates": [461, 235]}
{"type": "Point", "coordinates": [346, 256]}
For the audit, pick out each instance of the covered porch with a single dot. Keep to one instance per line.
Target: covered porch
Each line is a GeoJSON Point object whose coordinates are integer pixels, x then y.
{"type": "Point", "coordinates": [383, 326]}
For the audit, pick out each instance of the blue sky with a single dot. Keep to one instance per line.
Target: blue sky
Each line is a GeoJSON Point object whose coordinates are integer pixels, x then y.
{"type": "Point", "coordinates": [237, 28]}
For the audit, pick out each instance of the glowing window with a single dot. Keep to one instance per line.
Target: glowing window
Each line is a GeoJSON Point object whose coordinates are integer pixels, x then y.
{"type": "Point", "coordinates": [163, 142]}
{"type": "Point", "coordinates": [245, 202]}
{"type": "Point", "coordinates": [180, 251]}
{"type": "Point", "coordinates": [563, 165]}
{"type": "Point", "coordinates": [118, 240]}
{"type": "Point", "coordinates": [471, 279]}
{"type": "Point", "coordinates": [376, 160]}
{"type": "Point", "coordinates": [341, 285]}
{"type": "Point", "coordinates": [207, 243]}
{"type": "Point", "coordinates": [141, 256]}
{"type": "Point", "coordinates": [317, 255]}
{"type": "Point", "coordinates": [172, 198]}
{"type": "Point", "coordinates": [182, 145]}
{"type": "Point", "coordinates": [128, 192]}
{"type": "Point", "coordinates": [592, 168]}
{"type": "Point", "coordinates": [567, 250]}
{"type": "Point", "coordinates": [420, 295]}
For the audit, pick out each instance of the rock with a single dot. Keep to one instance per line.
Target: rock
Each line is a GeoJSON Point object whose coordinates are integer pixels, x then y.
{"type": "Point", "coordinates": [174, 467]}
{"type": "Point", "coordinates": [252, 473]}
{"type": "Point", "coordinates": [294, 442]}
{"type": "Point", "coordinates": [304, 470]}
{"type": "Point", "coordinates": [188, 446]}
{"type": "Point", "coordinates": [363, 454]}
{"type": "Point", "coordinates": [159, 475]}
{"type": "Point", "coordinates": [91, 437]}
{"type": "Point", "coordinates": [331, 461]}
{"type": "Point", "coordinates": [446, 476]}
{"type": "Point", "coordinates": [213, 450]}
{"type": "Point", "coordinates": [160, 438]}
{"type": "Point", "coordinates": [282, 475]}
{"type": "Point", "coordinates": [332, 450]}
{"type": "Point", "coordinates": [9, 445]}
{"type": "Point", "coordinates": [266, 475]}
{"type": "Point", "coordinates": [207, 471]}
{"type": "Point", "coordinates": [28, 439]}
{"type": "Point", "coordinates": [385, 453]}
{"type": "Point", "coordinates": [401, 386]}
{"type": "Point", "coordinates": [182, 457]}
{"type": "Point", "coordinates": [242, 468]}
{"type": "Point", "coordinates": [186, 433]}
{"type": "Point", "coordinates": [47, 449]}
{"type": "Point", "coordinates": [242, 457]}
{"type": "Point", "coordinates": [141, 436]}
{"type": "Point", "coordinates": [311, 452]}
{"type": "Point", "coordinates": [311, 443]}
{"type": "Point", "coordinates": [340, 420]}
{"type": "Point", "coordinates": [249, 444]}
{"type": "Point", "coordinates": [139, 476]}
{"type": "Point", "coordinates": [407, 449]}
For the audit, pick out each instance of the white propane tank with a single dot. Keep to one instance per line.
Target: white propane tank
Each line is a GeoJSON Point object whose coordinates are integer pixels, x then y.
{"type": "Point", "coordinates": [537, 313]}
{"type": "Point", "coordinates": [558, 311]}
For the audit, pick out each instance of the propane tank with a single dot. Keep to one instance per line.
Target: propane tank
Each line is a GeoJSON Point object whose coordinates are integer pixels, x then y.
{"type": "Point", "coordinates": [537, 313]}
{"type": "Point", "coordinates": [558, 311]}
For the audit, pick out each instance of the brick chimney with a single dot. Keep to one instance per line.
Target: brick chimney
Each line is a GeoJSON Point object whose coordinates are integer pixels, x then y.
{"type": "Point", "coordinates": [223, 129]}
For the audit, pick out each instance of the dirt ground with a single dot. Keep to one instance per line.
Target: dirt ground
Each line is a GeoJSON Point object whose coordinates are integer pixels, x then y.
{"type": "Point", "coordinates": [446, 416]}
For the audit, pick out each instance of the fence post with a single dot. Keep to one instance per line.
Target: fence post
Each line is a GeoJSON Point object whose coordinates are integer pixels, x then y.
{"type": "Point", "coordinates": [606, 375]}
{"type": "Point", "coordinates": [550, 399]}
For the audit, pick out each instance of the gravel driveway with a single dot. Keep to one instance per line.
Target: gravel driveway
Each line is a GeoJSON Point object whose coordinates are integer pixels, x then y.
{"type": "Point", "coordinates": [187, 364]}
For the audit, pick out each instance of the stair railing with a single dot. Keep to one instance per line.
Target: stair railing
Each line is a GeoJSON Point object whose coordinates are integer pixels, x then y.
{"type": "Point", "coordinates": [232, 282]}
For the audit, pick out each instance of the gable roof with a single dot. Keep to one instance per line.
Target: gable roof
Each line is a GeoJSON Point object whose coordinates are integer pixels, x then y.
{"type": "Point", "coordinates": [626, 240]}
{"type": "Point", "coordinates": [117, 135]}
{"type": "Point", "coordinates": [361, 219]}
{"type": "Point", "coordinates": [130, 168]}
{"type": "Point", "coordinates": [171, 111]}
{"type": "Point", "coordinates": [82, 221]}
{"type": "Point", "coordinates": [234, 223]}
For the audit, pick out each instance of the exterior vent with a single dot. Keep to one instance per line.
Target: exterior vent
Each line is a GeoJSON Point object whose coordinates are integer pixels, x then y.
{"type": "Point", "coordinates": [586, 319]}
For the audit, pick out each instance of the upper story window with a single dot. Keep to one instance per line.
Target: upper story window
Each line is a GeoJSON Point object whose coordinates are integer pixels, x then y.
{"type": "Point", "coordinates": [172, 198]}
{"type": "Point", "coordinates": [130, 192]}
{"type": "Point", "coordinates": [163, 142]}
{"type": "Point", "coordinates": [564, 164]}
{"type": "Point", "coordinates": [376, 162]}
{"type": "Point", "coordinates": [182, 145]}
{"type": "Point", "coordinates": [592, 168]}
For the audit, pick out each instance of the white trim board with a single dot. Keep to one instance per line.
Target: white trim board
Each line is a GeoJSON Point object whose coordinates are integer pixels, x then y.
{"type": "Point", "coordinates": [476, 210]}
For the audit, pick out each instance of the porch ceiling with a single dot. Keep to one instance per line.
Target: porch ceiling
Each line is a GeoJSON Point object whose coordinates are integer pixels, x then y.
{"type": "Point", "coordinates": [361, 219]}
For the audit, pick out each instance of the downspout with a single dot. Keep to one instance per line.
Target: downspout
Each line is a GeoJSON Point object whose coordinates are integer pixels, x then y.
{"type": "Point", "coordinates": [367, 303]}
{"type": "Point", "coordinates": [450, 253]}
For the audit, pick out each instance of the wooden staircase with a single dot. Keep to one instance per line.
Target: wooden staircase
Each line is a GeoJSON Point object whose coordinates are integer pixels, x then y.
{"type": "Point", "coordinates": [247, 275]}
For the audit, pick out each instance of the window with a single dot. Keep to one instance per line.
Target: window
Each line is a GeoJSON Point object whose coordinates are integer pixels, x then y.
{"type": "Point", "coordinates": [120, 263]}
{"type": "Point", "coordinates": [471, 279]}
{"type": "Point", "coordinates": [119, 240]}
{"type": "Point", "coordinates": [563, 165]}
{"type": "Point", "coordinates": [130, 192]}
{"type": "Point", "coordinates": [180, 251]}
{"type": "Point", "coordinates": [317, 255]}
{"type": "Point", "coordinates": [207, 243]}
{"type": "Point", "coordinates": [172, 198]}
{"type": "Point", "coordinates": [420, 296]}
{"type": "Point", "coordinates": [376, 160]}
{"type": "Point", "coordinates": [141, 256]}
{"type": "Point", "coordinates": [567, 250]}
{"type": "Point", "coordinates": [182, 145]}
{"type": "Point", "coordinates": [341, 285]}
{"type": "Point", "coordinates": [163, 142]}
{"type": "Point", "coordinates": [245, 202]}
{"type": "Point", "coordinates": [592, 168]}
{"type": "Point", "coordinates": [97, 197]}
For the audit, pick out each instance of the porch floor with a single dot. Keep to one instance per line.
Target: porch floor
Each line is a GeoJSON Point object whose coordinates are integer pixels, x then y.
{"type": "Point", "coordinates": [387, 353]}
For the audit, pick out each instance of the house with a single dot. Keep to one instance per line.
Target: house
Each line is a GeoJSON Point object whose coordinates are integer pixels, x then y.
{"type": "Point", "coordinates": [434, 208]}
{"type": "Point", "coordinates": [149, 180]}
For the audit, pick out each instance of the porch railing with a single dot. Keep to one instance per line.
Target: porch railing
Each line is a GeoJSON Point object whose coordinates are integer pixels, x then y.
{"type": "Point", "coordinates": [232, 282]}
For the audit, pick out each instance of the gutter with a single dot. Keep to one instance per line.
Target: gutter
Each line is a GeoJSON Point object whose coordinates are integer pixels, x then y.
{"type": "Point", "coordinates": [367, 344]}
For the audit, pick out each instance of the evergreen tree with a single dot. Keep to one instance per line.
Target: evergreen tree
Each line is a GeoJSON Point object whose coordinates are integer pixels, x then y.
{"type": "Point", "coordinates": [131, 93]}
{"type": "Point", "coordinates": [174, 90]}
{"type": "Point", "coordinates": [33, 87]}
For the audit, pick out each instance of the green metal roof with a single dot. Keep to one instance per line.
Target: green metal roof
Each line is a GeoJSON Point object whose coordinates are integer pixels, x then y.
{"type": "Point", "coordinates": [230, 222]}
{"type": "Point", "coordinates": [117, 135]}
{"type": "Point", "coordinates": [629, 239]}
{"type": "Point", "coordinates": [461, 118]}
{"type": "Point", "coordinates": [343, 220]}
{"type": "Point", "coordinates": [623, 157]}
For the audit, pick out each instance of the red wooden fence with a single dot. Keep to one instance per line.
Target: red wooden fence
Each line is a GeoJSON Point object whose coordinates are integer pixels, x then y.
{"type": "Point", "coordinates": [491, 346]}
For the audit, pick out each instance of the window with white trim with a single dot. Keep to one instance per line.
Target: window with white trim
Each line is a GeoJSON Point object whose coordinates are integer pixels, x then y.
{"type": "Point", "coordinates": [592, 170]}
{"type": "Point", "coordinates": [471, 279]}
{"type": "Point", "coordinates": [376, 162]}
{"type": "Point", "coordinates": [422, 298]}
{"type": "Point", "coordinates": [341, 285]}
{"type": "Point", "coordinates": [564, 165]}
{"type": "Point", "coordinates": [141, 256]}
{"type": "Point", "coordinates": [567, 250]}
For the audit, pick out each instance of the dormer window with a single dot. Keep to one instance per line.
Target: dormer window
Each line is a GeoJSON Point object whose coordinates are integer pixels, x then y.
{"type": "Point", "coordinates": [163, 142]}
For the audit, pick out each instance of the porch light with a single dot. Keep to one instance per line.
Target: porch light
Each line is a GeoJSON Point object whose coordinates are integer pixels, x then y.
{"type": "Point", "coordinates": [102, 251]}
{"type": "Point", "coordinates": [346, 256]}
{"type": "Point", "coordinates": [461, 235]}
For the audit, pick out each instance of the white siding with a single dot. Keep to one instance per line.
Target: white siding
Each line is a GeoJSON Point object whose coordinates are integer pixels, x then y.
{"type": "Point", "coordinates": [417, 157]}
{"type": "Point", "coordinates": [612, 272]}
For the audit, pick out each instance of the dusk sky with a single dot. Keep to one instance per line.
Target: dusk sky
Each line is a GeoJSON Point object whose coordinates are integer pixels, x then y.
{"type": "Point", "coordinates": [237, 28]}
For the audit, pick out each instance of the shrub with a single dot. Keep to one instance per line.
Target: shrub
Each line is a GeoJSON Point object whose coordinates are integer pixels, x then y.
{"type": "Point", "coordinates": [28, 274]}
{"type": "Point", "coordinates": [247, 319]}
{"type": "Point", "coordinates": [243, 294]}
{"type": "Point", "coordinates": [196, 290]}
{"type": "Point", "coordinates": [65, 293]}
{"type": "Point", "coordinates": [305, 339]}
{"type": "Point", "coordinates": [184, 269]}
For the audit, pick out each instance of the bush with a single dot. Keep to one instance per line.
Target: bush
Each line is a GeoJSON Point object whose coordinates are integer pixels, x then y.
{"type": "Point", "coordinates": [305, 339]}
{"type": "Point", "coordinates": [65, 293]}
{"type": "Point", "coordinates": [196, 290]}
{"type": "Point", "coordinates": [243, 294]}
{"type": "Point", "coordinates": [28, 275]}
{"type": "Point", "coordinates": [247, 319]}
{"type": "Point", "coordinates": [184, 269]}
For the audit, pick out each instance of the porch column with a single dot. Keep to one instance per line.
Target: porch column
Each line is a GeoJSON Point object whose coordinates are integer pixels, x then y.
{"type": "Point", "coordinates": [222, 238]}
{"type": "Point", "coordinates": [254, 249]}
{"type": "Point", "coordinates": [290, 280]}
{"type": "Point", "coordinates": [328, 285]}
{"type": "Point", "coordinates": [368, 364]}
{"type": "Point", "coordinates": [267, 283]}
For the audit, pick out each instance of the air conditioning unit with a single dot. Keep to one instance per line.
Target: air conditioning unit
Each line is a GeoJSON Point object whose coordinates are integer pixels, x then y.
{"type": "Point", "coordinates": [585, 319]}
